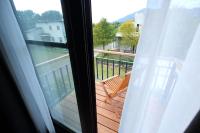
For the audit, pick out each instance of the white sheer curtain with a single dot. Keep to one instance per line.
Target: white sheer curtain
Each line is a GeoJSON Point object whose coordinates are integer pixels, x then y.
{"type": "Point", "coordinates": [163, 94]}
{"type": "Point", "coordinates": [19, 61]}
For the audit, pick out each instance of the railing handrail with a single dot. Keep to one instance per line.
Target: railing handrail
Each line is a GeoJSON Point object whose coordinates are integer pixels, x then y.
{"type": "Point", "coordinates": [51, 60]}
{"type": "Point", "coordinates": [114, 59]}
{"type": "Point", "coordinates": [100, 51]}
{"type": "Point", "coordinates": [113, 52]}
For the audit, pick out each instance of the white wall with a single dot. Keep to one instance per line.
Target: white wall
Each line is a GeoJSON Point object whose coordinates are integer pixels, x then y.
{"type": "Point", "coordinates": [57, 34]}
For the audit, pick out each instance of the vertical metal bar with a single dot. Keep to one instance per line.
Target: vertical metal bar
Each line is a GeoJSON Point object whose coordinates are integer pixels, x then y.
{"type": "Point", "coordinates": [50, 97]}
{"type": "Point", "coordinates": [47, 81]}
{"type": "Point", "coordinates": [68, 77]}
{"type": "Point", "coordinates": [62, 77]}
{"type": "Point", "coordinates": [54, 76]}
{"type": "Point", "coordinates": [97, 66]}
{"type": "Point", "coordinates": [119, 66]}
{"type": "Point", "coordinates": [107, 67]}
{"type": "Point", "coordinates": [101, 69]}
{"type": "Point", "coordinates": [113, 64]}
{"type": "Point", "coordinates": [57, 88]}
{"type": "Point", "coordinates": [126, 67]}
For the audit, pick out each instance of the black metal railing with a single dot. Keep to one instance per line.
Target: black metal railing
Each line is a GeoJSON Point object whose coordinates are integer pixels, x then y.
{"type": "Point", "coordinates": [106, 67]}
{"type": "Point", "coordinates": [56, 84]}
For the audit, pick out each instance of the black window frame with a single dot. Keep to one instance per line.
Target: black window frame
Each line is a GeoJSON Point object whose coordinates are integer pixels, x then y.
{"type": "Point", "coordinates": [78, 26]}
{"type": "Point", "coordinates": [72, 12]}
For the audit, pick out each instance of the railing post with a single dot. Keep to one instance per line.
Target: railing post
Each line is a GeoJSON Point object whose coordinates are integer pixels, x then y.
{"type": "Point", "coordinates": [54, 76]}
{"type": "Point", "coordinates": [57, 88]}
{"type": "Point", "coordinates": [107, 67]}
{"type": "Point", "coordinates": [113, 64]}
{"type": "Point", "coordinates": [126, 67]}
{"type": "Point", "coordinates": [62, 77]}
{"type": "Point", "coordinates": [119, 66]}
{"type": "Point", "coordinates": [101, 68]}
{"type": "Point", "coordinates": [51, 94]}
{"type": "Point", "coordinates": [68, 77]}
{"type": "Point", "coordinates": [97, 68]}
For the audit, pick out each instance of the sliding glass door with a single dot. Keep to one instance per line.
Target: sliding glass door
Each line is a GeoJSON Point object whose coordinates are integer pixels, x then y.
{"type": "Point", "coordinates": [68, 93]}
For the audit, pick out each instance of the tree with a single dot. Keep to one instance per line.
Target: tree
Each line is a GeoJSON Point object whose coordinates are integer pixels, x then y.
{"type": "Point", "coordinates": [51, 16]}
{"type": "Point", "coordinates": [103, 33]}
{"type": "Point", "coordinates": [116, 25]}
{"type": "Point", "coordinates": [27, 19]}
{"type": "Point", "coordinates": [129, 33]}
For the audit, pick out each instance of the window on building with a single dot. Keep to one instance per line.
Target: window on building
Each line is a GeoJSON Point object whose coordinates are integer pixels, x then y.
{"type": "Point", "coordinates": [60, 39]}
{"type": "Point", "coordinates": [52, 39]}
{"type": "Point", "coordinates": [138, 27]}
{"type": "Point", "coordinates": [58, 27]}
{"type": "Point", "coordinates": [50, 28]}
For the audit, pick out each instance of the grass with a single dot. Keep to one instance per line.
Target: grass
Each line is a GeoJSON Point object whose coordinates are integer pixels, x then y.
{"type": "Point", "coordinates": [110, 69]}
{"type": "Point", "coordinates": [116, 57]}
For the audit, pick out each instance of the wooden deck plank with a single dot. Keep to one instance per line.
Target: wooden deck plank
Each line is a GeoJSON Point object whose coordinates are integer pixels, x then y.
{"type": "Point", "coordinates": [102, 93]}
{"type": "Point", "coordinates": [99, 87]}
{"type": "Point", "coordinates": [107, 122]}
{"type": "Point", "coordinates": [103, 129]}
{"type": "Point", "coordinates": [113, 102]}
{"type": "Point", "coordinates": [74, 126]}
{"type": "Point", "coordinates": [69, 104]}
{"type": "Point", "coordinates": [108, 114]}
{"type": "Point", "coordinates": [66, 112]}
{"type": "Point", "coordinates": [108, 106]}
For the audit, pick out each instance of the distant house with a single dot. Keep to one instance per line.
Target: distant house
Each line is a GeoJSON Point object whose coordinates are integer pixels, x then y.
{"type": "Point", "coordinates": [137, 16]}
{"type": "Point", "coordinates": [33, 34]}
{"type": "Point", "coordinates": [47, 31]}
{"type": "Point", "coordinates": [119, 36]}
{"type": "Point", "coordinates": [139, 19]}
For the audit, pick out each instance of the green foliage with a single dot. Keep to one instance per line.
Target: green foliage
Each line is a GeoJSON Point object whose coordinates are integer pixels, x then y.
{"type": "Point", "coordinates": [51, 16]}
{"type": "Point", "coordinates": [28, 19]}
{"type": "Point", "coordinates": [103, 33]}
{"type": "Point", "coordinates": [116, 26]}
{"type": "Point", "coordinates": [130, 36]}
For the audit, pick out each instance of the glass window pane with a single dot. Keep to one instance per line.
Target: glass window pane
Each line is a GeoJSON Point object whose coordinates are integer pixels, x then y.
{"type": "Point", "coordinates": [42, 21]}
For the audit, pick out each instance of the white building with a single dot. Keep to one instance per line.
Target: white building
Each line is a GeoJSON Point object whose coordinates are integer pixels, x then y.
{"type": "Point", "coordinates": [47, 31]}
{"type": "Point", "coordinates": [138, 23]}
{"type": "Point", "coordinates": [139, 19]}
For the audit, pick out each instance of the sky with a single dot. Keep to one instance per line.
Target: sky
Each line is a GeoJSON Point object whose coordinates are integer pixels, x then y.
{"type": "Point", "coordinates": [114, 9]}
{"type": "Point", "coordinates": [109, 9]}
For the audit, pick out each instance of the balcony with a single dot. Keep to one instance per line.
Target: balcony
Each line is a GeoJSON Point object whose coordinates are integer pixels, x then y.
{"type": "Point", "coordinates": [58, 87]}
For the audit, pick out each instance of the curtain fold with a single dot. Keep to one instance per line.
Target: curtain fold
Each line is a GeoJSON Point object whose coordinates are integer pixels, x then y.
{"type": "Point", "coordinates": [160, 75]}
{"type": "Point", "coordinates": [19, 61]}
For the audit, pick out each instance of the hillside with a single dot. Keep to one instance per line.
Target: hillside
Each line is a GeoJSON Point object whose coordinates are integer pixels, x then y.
{"type": "Point", "coordinates": [129, 17]}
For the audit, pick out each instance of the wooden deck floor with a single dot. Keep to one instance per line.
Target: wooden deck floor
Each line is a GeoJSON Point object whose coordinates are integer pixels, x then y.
{"type": "Point", "coordinates": [108, 114]}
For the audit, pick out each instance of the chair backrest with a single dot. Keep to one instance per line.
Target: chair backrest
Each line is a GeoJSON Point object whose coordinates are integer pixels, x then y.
{"type": "Point", "coordinates": [124, 82]}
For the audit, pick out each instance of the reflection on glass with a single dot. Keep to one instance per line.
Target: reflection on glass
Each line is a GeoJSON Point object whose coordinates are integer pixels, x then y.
{"type": "Point", "coordinates": [41, 22]}
{"type": "Point", "coordinates": [52, 63]}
